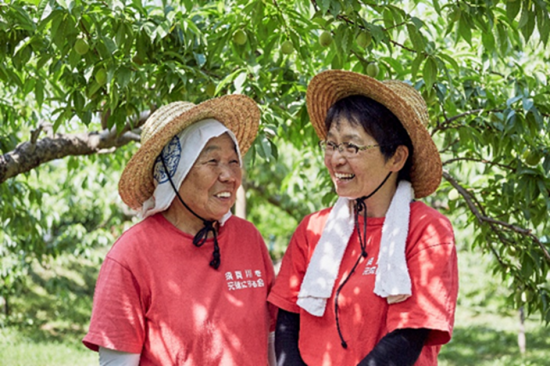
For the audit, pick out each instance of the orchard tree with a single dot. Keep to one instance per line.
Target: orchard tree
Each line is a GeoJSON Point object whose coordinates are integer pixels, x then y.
{"type": "Point", "coordinates": [78, 79]}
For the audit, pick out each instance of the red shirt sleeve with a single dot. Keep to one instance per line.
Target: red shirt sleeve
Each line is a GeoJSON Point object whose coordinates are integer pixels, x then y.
{"type": "Point", "coordinates": [432, 262]}
{"type": "Point", "coordinates": [118, 315]}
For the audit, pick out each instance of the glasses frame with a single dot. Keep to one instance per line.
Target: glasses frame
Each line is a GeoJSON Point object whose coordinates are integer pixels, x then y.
{"type": "Point", "coordinates": [342, 147]}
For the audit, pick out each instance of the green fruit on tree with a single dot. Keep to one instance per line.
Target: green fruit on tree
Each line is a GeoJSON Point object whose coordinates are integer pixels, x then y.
{"type": "Point", "coordinates": [210, 89]}
{"type": "Point", "coordinates": [101, 76]}
{"type": "Point", "coordinates": [531, 157]}
{"type": "Point", "coordinates": [325, 39]}
{"type": "Point", "coordinates": [81, 46]}
{"type": "Point", "coordinates": [453, 194]}
{"type": "Point", "coordinates": [527, 296]}
{"type": "Point", "coordinates": [364, 39]}
{"type": "Point", "coordinates": [287, 47]}
{"type": "Point", "coordinates": [373, 69]}
{"type": "Point", "coordinates": [239, 37]}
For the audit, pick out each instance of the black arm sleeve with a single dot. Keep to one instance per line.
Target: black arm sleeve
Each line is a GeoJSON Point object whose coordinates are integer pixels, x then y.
{"type": "Point", "coordinates": [398, 348]}
{"type": "Point", "coordinates": [286, 339]}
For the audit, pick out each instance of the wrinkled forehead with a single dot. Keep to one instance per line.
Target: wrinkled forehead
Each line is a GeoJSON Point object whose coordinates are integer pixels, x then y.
{"type": "Point", "coordinates": [219, 143]}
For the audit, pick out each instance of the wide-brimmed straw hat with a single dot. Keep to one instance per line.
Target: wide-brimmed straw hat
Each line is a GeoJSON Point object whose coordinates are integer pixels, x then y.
{"type": "Point", "coordinates": [404, 101]}
{"type": "Point", "coordinates": [238, 113]}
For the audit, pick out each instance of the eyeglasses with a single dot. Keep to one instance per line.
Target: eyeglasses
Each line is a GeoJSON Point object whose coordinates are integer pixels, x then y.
{"type": "Point", "coordinates": [347, 149]}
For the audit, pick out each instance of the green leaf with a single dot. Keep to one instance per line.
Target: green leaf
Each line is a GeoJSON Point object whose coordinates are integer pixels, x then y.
{"type": "Point", "coordinates": [39, 92]}
{"type": "Point", "coordinates": [429, 72]}
{"type": "Point", "coordinates": [416, 38]}
{"type": "Point", "coordinates": [239, 81]}
{"type": "Point", "coordinates": [512, 9]}
{"type": "Point", "coordinates": [388, 18]}
{"type": "Point", "coordinates": [464, 29]}
{"type": "Point", "coordinates": [123, 76]}
{"type": "Point", "coordinates": [78, 101]}
{"type": "Point", "coordinates": [543, 25]}
{"type": "Point", "coordinates": [450, 60]}
{"type": "Point", "coordinates": [527, 30]}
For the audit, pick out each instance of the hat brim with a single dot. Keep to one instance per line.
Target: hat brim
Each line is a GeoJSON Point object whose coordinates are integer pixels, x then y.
{"type": "Point", "coordinates": [327, 87]}
{"type": "Point", "coordinates": [238, 113]}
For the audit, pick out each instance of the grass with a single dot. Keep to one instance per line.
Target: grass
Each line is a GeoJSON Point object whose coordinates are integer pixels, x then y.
{"type": "Point", "coordinates": [51, 313]}
{"type": "Point", "coordinates": [50, 316]}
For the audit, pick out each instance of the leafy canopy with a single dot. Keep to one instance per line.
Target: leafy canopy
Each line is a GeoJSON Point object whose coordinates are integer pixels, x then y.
{"type": "Point", "coordinates": [80, 77]}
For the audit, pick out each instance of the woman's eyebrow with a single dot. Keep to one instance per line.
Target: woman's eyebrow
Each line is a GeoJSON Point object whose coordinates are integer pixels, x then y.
{"type": "Point", "coordinates": [347, 137]}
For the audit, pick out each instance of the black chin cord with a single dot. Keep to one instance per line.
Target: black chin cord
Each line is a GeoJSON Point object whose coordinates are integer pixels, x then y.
{"type": "Point", "coordinates": [360, 206]}
{"type": "Point", "coordinates": [202, 234]}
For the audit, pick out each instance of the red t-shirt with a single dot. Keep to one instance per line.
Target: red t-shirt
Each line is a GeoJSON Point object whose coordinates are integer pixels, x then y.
{"type": "Point", "coordinates": [365, 317]}
{"type": "Point", "coordinates": [157, 295]}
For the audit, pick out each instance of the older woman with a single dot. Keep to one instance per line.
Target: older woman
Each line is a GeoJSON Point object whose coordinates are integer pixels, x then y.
{"type": "Point", "coordinates": [187, 285]}
{"type": "Point", "coordinates": [373, 280]}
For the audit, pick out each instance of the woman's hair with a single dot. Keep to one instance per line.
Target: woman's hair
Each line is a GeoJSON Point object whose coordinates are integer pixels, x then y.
{"type": "Point", "coordinates": [378, 121]}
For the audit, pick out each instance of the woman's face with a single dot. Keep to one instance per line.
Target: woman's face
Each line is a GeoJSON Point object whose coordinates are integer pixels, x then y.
{"type": "Point", "coordinates": [210, 187]}
{"type": "Point", "coordinates": [360, 174]}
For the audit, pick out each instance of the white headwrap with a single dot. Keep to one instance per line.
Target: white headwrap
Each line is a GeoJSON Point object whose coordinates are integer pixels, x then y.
{"type": "Point", "coordinates": [179, 155]}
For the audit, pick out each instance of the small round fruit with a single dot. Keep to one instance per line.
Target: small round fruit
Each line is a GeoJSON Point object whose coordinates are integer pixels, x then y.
{"type": "Point", "coordinates": [287, 47]}
{"type": "Point", "coordinates": [325, 39]}
{"type": "Point", "coordinates": [81, 46]}
{"type": "Point", "coordinates": [532, 157]}
{"type": "Point", "coordinates": [101, 76]}
{"type": "Point", "coordinates": [518, 297]}
{"type": "Point", "coordinates": [511, 251]}
{"type": "Point", "coordinates": [239, 37]}
{"type": "Point", "coordinates": [210, 89]}
{"type": "Point", "coordinates": [453, 194]}
{"type": "Point", "coordinates": [364, 39]}
{"type": "Point", "coordinates": [373, 69]}
{"type": "Point", "coordinates": [527, 296]}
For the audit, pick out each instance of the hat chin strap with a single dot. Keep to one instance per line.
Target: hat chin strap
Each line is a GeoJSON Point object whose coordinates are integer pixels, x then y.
{"type": "Point", "coordinates": [202, 234]}
{"type": "Point", "coordinates": [360, 207]}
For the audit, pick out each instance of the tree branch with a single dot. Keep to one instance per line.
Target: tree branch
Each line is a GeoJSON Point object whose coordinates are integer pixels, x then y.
{"type": "Point", "coordinates": [31, 154]}
{"type": "Point", "coordinates": [478, 161]}
{"type": "Point", "coordinates": [483, 218]}
{"type": "Point", "coordinates": [447, 123]}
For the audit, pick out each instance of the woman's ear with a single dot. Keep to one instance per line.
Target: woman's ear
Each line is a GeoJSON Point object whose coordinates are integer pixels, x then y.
{"type": "Point", "coordinates": [399, 158]}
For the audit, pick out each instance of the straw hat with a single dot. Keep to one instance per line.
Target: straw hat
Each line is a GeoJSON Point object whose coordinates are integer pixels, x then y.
{"type": "Point", "coordinates": [401, 99]}
{"type": "Point", "coordinates": [238, 113]}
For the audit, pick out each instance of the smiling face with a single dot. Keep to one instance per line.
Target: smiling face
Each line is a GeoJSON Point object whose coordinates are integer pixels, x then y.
{"type": "Point", "coordinates": [360, 174]}
{"type": "Point", "coordinates": [210, 187]}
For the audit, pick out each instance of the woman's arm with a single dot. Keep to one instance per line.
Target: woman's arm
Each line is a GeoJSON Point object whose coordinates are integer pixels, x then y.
{"type": "Point", "coordinates": [111, 357]}
{"type": "Point", "coordinates": [398, 348]}
{"type": "Point", "coordinates": [286, 339]}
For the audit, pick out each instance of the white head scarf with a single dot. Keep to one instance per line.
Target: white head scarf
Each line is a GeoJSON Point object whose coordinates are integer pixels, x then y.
{"type": "Point", "coordinates": [179, 155]}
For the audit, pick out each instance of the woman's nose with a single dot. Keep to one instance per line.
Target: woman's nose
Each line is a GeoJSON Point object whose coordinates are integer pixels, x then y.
{"type": "Point", "coordinates": [228, 173]}
{"type": "Point", "coordinates": [337, 157]}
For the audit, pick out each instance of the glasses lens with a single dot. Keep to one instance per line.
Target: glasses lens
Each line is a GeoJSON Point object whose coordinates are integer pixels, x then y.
{"type": "Point", "coordinates": [350, 149]}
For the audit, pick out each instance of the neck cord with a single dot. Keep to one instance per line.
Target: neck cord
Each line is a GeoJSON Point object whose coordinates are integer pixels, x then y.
{"type": "Point", "coordinates": [202, 234]}
{"type": "Point", "coordinates": [360, 206]}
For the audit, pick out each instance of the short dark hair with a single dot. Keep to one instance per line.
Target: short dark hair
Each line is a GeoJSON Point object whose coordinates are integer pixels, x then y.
{"type": "Point", "coordinates": [378, 121]}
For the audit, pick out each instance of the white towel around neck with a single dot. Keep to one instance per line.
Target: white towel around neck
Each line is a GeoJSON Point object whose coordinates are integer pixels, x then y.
{"type": "Point", "coordinates": [392, 276]}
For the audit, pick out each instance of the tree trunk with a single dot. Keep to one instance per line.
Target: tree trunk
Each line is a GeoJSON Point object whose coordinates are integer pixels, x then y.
{"type": "Point", "coordinates": [240, 203]}
{"type": "Point", "coordinates": [521, 333]}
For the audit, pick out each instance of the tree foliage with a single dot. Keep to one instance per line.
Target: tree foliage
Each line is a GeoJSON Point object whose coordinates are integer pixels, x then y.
{"type": "Point", "coordinates": [80, 77]}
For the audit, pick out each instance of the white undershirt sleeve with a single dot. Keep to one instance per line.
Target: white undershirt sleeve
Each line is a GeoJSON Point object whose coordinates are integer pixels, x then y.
{"type": "Point", "coordinates": [111, 357]}
{"type": "Point", "coordinates": [272, 361]}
